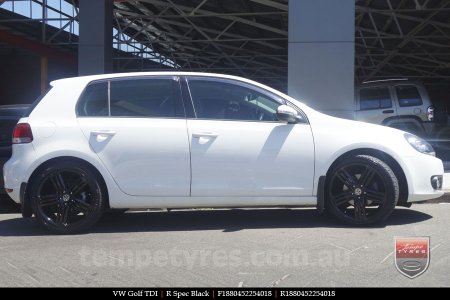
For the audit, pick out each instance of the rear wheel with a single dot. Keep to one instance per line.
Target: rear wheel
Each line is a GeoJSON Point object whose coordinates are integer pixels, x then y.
{"type": "Point", "coordinates": [67, 197]}
{"type": "Point", "coordinates": [361, 190]}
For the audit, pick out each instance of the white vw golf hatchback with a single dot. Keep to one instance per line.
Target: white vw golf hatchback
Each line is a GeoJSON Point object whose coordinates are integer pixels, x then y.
{"type": "Point", "coordinates": [188, 140]}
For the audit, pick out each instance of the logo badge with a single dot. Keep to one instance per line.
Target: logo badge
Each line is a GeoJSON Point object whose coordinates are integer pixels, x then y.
{"type": "Point", "coordinates": [412, 255]}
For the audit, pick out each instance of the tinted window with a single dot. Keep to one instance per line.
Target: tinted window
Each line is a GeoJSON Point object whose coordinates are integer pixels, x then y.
{"type": "Point", "coordinates": [408, 95]}
{"type": "Point", "coordinates": [131, 98]}
{"type": "Point", "coordinates": [94, 101]}
{"type": "Point", "coordinates": [375, 98]}
{"type": "Point", "coordinates": [227, 101]}
{"type": "Point", "coordinates": [144, 98]}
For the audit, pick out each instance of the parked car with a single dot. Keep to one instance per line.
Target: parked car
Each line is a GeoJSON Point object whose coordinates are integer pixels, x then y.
{"type": "Point", "coordinates": [405, 104]}
{"type": "Point", "coordinates": [189, 140]}
{"type": "Point", "coordinates": [9, 116]}
{"type": "Point", "coordinates": [398, 103]}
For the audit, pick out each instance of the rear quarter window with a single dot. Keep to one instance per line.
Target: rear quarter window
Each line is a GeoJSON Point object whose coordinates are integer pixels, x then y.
{"type": "Point", "coordinates": [94, 101]}
{"type": "Point", "coordinates": [408, 95]}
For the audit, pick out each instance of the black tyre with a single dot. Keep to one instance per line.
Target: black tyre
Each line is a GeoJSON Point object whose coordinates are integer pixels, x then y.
{"type": "Point", "coordinates": [67, 197]}
{"type": "Point", "coordinates": [361, 190]}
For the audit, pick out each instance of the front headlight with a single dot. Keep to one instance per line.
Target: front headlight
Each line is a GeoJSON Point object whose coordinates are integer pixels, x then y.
{"type": "Point", "coordinates": [419, 144]}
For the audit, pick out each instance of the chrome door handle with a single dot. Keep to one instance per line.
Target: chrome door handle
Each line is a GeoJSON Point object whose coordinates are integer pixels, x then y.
{"type": "Point", "coordinates": [205, 134]}
{"type": "Point", "coordinates": [104, 132]}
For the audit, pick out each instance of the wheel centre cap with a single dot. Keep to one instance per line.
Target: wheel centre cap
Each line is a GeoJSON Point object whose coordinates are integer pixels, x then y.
{"type": "Point", "coordinates": [66, 197]}
{"type": "Point", "coordinates": [358, 192]}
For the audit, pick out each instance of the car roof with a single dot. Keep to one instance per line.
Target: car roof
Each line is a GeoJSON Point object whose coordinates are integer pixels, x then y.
{"type": "Point", "coordinates": [89, 78]}
{"type": "Point", "coordinates": [84, 80]}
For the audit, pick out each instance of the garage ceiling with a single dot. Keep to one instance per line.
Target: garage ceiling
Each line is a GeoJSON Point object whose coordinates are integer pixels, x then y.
{"type": "Point", "coordinates": [394, 38]}
{"type": "Point", "coordinates": [408, 38]}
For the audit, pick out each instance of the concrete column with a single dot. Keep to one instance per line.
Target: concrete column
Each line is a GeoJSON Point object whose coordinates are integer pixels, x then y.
{"type": "Point", "coordinates": [95, 41]}
{"type": "Point", "coordinates": [321, 55]}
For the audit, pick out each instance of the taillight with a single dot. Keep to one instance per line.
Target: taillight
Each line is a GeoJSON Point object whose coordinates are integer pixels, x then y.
{"type": "Point", "coordinates": [430, 113]}
{"type": "Point", "coordinates": [22, 134]}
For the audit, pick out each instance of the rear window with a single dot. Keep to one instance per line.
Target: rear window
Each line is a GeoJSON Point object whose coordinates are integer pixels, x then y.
{"type": "Point", "coordinates": [375, 98]}
{"type": "Point", "coordinates": [408, 95]}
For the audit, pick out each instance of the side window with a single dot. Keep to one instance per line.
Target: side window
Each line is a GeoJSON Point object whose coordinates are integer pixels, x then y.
{"type": "Point", "coordinates": [94, 101]}
{"type": "Point", "coordinates": [227, 101]}
{"type": "Point", "coordinates": [375, 98]}
{"type": "Point", "coordinates": [408, 95]}
{"type": "Point", "coordinates": [146, 97]}
{"type": "Point", "coordinates": [143, 98]}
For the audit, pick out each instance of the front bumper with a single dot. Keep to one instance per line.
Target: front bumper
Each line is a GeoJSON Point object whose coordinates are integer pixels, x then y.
{"type": "Point", "coordinates": [419, 171]}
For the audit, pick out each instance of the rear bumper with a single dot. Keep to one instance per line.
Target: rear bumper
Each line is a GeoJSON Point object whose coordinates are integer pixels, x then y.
{"type": "Point", "coordinates": [3, 160]}
{"type": "Point", "coordinates": [16, 170]}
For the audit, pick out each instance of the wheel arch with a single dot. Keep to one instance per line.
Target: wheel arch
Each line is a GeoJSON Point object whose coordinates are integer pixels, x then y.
{"type": "Point", "coordinates": [388, 159]}
{"type": "Point", "coordinates": [26, 202]}
{"type": "Point", "coordinates": [398, 119]}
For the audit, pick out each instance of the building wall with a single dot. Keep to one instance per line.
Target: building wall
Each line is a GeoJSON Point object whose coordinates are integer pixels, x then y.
{"type": "Point", "coordinates": [20, 72]}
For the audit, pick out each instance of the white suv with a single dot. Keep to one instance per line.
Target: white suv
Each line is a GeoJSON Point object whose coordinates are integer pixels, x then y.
{"type": "Point", "coordinates": [188, 140]}
{"type": "Point", "coordinates": [398, 103]}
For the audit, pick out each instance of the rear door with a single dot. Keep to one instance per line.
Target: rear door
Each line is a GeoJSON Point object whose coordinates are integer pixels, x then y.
{"type": "Point", "coordinates": [410, 102]}
{"type": "Point", "coordinates": [375, 104]}
{"type": "Point", "coordinates": [137, 127]}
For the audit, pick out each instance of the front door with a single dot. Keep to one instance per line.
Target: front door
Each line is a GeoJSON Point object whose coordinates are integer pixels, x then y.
{"type": "Point", "coordinates": [239, 148]}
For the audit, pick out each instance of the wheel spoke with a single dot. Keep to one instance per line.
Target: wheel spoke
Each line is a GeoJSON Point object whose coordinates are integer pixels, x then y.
{"type": "Point", "coordinates": [360, 209]}
{"type": "Point", "coordinates": [346, 178]}
{"type": "Point", "coordinates": [377, 197]}
{"type": "Point", "coordinates": [81, 206]}
{"type": "Point", "coordinates": [78, 186]}
{"type": "Point", "coordinates": [62, 214]}
{"type": "Point", "coordinates": [48, 200]}
{"type": "Point", "coordinates": [58, 182]}
{"type": "Point", "coordinates": [366, 176]}
{"type": "Point", "coordinates": [341, 198]}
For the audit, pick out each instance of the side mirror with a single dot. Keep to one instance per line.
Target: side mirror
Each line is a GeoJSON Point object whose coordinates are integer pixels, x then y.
{"type": "Point", "coordinates": [288, 114]}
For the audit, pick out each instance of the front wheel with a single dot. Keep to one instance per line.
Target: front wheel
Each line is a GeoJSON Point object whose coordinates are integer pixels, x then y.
{"type": "Point", "coordinates": [361, 190]}
{"type": "Point", "coordinates": [67, 197]}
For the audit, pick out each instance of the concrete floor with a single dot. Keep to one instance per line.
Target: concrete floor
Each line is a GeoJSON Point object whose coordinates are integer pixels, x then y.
{"type": "Point", "coordinates": [265, 247]}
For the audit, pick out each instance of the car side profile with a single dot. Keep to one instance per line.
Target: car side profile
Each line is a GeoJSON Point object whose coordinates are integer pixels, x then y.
{"type": "Point", "coordinates": [191, 140]}
{"type": "Point", "coordinates": [399, 103]}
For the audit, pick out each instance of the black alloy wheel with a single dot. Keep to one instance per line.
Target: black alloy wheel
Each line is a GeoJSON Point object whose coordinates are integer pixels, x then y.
{"type": "Point", "coordinates": [361, 190]}
{"type": "Point", "coordinates": [67, 197]}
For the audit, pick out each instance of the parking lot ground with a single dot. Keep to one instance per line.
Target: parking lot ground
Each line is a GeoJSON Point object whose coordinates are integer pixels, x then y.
{"type": "Point", "coordinates": [257, 247]}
